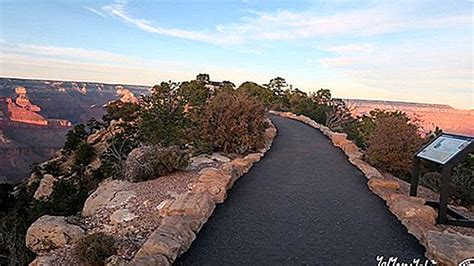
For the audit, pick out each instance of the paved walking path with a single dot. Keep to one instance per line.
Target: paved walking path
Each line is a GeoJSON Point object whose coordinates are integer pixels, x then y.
{"type": "Point", "coordinates": [303, 203]}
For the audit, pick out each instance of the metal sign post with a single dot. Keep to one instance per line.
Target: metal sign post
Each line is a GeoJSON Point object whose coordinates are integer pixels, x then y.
{"type": "Point", "coordinates": [446, 150]}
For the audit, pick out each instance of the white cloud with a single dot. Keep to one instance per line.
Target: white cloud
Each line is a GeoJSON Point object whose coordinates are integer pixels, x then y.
{"type": "Point", "coordinates": [118, 10]}
{"type": "Point", "coordinates": [407, 70]}
{"type": "Point", "coordinates": [83, 55]}
{"type": "Point", "coordinates": [287, 25]}
{"type": "Point", "coordinates": [95, 11]}
{"type": "Point", "coordinates": [69, 63]}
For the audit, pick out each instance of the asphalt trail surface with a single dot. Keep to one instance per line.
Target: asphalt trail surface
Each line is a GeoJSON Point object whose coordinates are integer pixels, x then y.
{"type": "Point", "coordinates": [303, 204]}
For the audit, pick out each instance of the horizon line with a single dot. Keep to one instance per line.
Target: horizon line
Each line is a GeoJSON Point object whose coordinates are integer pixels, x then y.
{"type": "Point", "coordinates": [150, 86]}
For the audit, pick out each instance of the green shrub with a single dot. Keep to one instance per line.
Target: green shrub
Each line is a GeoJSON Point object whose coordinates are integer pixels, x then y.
{"type": "Point", "coordinates": [74, 137]}
{"type": "Point", "coordinates": [362, 128]}
{"type": "Point", "coordinates": [163, 121]}
{"type": "Point", "coordinates": [304, 105]}
{"type": "Point", "coordinates": [392, 144]}
{"type": "Point", "coordinates": [13, 227]}
{"type": "Point", "coordinates": [194, 93]}
{"type": "Point", "coordinates": [68, 196]}
{"type": "Point", "coordinates": [169, 159]}
{"type": "Point", "coordinates": [114, 157]}
{"type": "Point", "coordinates": [231, 123]}
{"type": "Point", "coordinates": [121, 110]}
{"type": "Point", "coordinates": [281, 91]}
{"type": "Point", "coordinates": [52, 168]}
{"type": "Point", "coordinates": [6, 198]}
{"type": "Point", "coordinates": [150, 162]}
{"type": "Point", "coordinates": [263, 94]}
{"type": "Point", "coordinates": [462, 180]}
{"type": "Point", "coordinates": [83, 154]}
{"type": "Point", "coordinates": [93, 249]}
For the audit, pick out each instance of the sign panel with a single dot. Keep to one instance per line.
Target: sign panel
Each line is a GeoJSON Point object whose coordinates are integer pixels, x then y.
{"type": "Point", "coordinates": [444, 147]}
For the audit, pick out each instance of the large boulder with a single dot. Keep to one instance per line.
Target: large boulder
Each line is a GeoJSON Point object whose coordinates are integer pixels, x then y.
{"type": "Point", "coordinates": [214, 181]}
{"type": "Point", "coordinates": [206, 160]}
{"type": "Point", "coordinates": [253, 157]}
{"type": "Point", "coordinates": [50, 232]}
{"type": "Point", "coordinates": [171, 239]}
{"type": "Point", "coordinates": [270, 133]}
{"type": "Point", "coordinates": [149, 162]}
{"type": "Point", "coordinates": [449, 248]}
{"type": "Point", "coordinates": [352, 151]}
{"type": "Point", "coordinates": [417, 218]}
{"type": "Point", "coordinates": [339, 139]}
{"type": "Point", "coordinates": [368, 170]}
{"type": "Point", "coordinates": [201, 161]}
{"type": "Point", "coordinates": [193, 205]}
{"type": "Point", "coordinates": [102, 196]}
{"type": "Point", "coordinates": [45, 187]}
{"type": "Point", "coordinates": [404, 209]}
{"type": "Point", "coordinates": [383, 183]}
{"type": "Point", "coordinates": [237, 167]}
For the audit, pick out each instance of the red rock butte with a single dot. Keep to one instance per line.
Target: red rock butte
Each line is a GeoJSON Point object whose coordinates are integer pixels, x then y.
{"type": "Point", "coordinates": [23, 111]}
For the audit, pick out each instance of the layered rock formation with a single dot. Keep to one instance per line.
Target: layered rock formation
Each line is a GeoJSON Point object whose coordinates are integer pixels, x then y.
{"type": "Point", "coordinates": [26, 136]}
{"type": "Point", "coordinates": [429, 115]}
{"type": "Point", "coordinates": [22, 110]}
{"type": "Point", "coordinates": [35, 116]}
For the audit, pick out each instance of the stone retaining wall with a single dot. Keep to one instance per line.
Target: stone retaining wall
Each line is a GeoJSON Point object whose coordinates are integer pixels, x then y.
{"type": "Point", "coordinates": [181, 216]}
{"type": "Point", "coordinates": [446, 247]}
{"type": "Point", "coordinates": [185, 215]}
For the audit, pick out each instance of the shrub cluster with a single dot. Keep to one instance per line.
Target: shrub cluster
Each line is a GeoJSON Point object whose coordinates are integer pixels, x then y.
{"type": "Point", "coordinates": [462, 180]}
{"type": "Point", "coordinates": [389, 139]}
{"type": "Point", "coordinates": [163, 120]}
{"type": "Point", "coordinates": [94, 249]}
{"type": "Point", "coordinates": [392, 145]}
{"type": "Point", "coordinates": [231, 123]}
{"type": "Point", "coordinates": [188, 114]}
{"type": "Point", "coordinates": [149, 162]}
{"type": "Point", "coordinates": [67, 198]}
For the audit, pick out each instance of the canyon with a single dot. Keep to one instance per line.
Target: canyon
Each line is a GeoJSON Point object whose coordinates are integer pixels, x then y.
{"type": "Point", "coordinates": [428, 116]}
{"type": "Point", "coordinates": [35, 116]}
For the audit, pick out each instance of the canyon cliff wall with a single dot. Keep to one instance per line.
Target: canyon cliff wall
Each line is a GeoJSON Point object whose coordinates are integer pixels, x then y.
{"type": "Point", "coordinates": [35, 116]}
{"type": "Point", "coordinates": [429, 116]}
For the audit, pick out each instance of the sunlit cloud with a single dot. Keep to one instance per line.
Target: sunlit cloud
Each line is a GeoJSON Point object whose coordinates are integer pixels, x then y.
{"type": "Point", "coordinates": [291, 25]}
{"type": "Point", "coordinates": [70, 63]}
{"type": "Point", "coordinates": [119, 11]}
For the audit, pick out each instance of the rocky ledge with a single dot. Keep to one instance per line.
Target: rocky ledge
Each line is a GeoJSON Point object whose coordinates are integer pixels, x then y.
{"type": "Point", "coordinates": [447, 245]}
{"type": "Point", "coordinates": [155, 221]}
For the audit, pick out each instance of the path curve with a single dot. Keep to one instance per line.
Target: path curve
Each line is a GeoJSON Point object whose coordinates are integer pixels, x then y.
{"type": "Point", "coordinates": [303, 203]}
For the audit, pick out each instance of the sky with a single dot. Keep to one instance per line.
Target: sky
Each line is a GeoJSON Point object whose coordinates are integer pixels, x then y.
{"type": "Point", "coordinates": [419, 51]}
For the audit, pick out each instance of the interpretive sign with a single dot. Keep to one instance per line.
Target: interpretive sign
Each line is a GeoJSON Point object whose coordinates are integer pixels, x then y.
{"type": "Point", "coordinates": [444, 148]}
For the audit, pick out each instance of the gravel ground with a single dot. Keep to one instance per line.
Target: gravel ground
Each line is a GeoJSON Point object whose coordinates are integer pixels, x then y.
{"type": "Point", "coordinates": [132, 234]}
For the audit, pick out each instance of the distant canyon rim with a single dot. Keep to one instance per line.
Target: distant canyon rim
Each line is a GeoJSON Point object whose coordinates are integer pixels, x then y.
{"type": "Point", "coordinates": [35, 115]}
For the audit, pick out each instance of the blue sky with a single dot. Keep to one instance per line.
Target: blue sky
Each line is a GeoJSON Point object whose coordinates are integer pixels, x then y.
{"type": "Point", "coordinates": [394, 50]}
